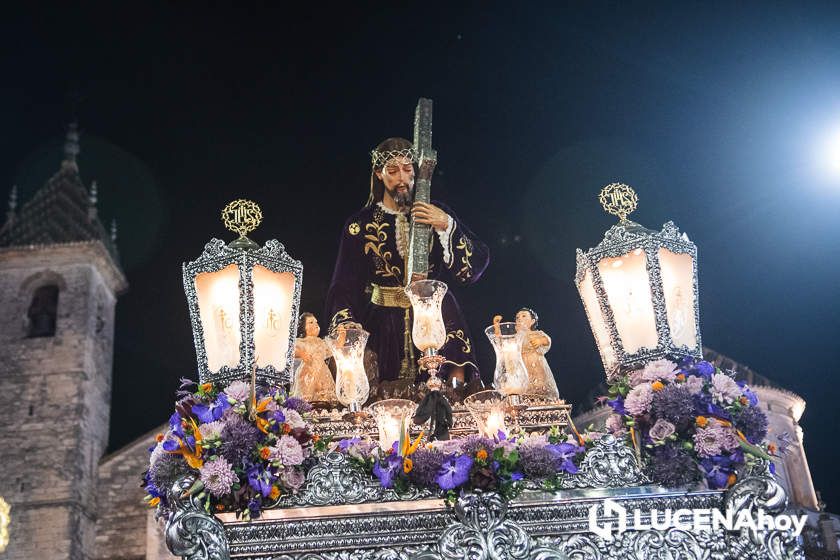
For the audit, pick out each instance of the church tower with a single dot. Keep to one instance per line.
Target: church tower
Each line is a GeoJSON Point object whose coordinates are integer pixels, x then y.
{"type": "Point", "coordinates": [59, 279]}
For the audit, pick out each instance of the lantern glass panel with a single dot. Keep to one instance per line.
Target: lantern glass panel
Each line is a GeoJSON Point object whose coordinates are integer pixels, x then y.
{"type": "Point", "coordinates": [218, 305]}
{"type": "Point", "coordinates": [677, 271]}
{"type": "Point", "coordinates": [273, 301]}
{"type": "Point", "coordinates": [627, 285]}
{"type": "Point", "coordinates": [596, 321]}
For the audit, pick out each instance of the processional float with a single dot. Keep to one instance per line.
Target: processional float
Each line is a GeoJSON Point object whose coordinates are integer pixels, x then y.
{"type": "Point", "coordinates": [246, 471]}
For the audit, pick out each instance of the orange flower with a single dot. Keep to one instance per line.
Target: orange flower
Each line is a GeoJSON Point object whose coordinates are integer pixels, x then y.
{"type": "Point", "coordinates": [262, 424]}
{"type": "Point", "coordinates": [316, 438]}
{"type": "Point", "coordinates": [408, 447]}
{"type": "Point", "coordinates": [265, 452]}
{"type": "Point", "coordinates": [286, 428]}
{"type": "Point", "coordinates": [657, 385]}
{"type": "Point", "coordinates": [206, 387]}
{"type": "Point", "coordinates": [220, 507]}
{"type": "Point", "coordinates": [481, 455]}
{"type": "Point", "coordinates": [744, 401]}
{"type": "Point", "coordinates": [407, 465]}
{"type": "Point", "coordinates": [771, 447]}
{"type": "Point", "coordinates": [731, 480]}
{"type": "Point", "coordinates": [154, 502]}
{"type": "Point", "coordinates": [681, 377]}
{"type": "Point", "coordinates": [701, 421]}
{"type": "Point", "coordinates": [159, 438]}
{"type": "Point", "coordinates": [275, 493]}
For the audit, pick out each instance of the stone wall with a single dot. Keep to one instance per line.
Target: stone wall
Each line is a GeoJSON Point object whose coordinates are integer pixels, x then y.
{"type": "Point", "coordinates": [123, 529]}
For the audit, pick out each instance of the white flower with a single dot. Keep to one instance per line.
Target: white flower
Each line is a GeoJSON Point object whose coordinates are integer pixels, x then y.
{"type": "Point", "coordinates": [238, 391]}
{"type": "Point", "coordinates": [724, 389]}
{"type": "Point", "coordinates": [293, 418]}
{"type": "Point", "coordinates": [211, 430]}
{"type": "Point", "coordinates": [694, 384]}
{"type": "Point", "coordinates": [657, 370]}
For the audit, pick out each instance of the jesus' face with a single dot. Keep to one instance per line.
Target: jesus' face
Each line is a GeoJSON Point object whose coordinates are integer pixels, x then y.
{"type": "Point", "coordinates": [398, 177]}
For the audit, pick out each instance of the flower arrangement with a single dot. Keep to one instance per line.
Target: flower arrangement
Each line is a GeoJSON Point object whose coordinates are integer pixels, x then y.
{"type": "Point", "coordinates": [498, 464]}
{"type": "Point", "coordinates": [689, 422]}
{"type": "Point", "coordinates": [244, 452]}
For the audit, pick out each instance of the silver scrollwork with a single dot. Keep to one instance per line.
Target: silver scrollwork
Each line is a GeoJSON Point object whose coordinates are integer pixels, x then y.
{"type": "Point", "coordinates": [191, 532]}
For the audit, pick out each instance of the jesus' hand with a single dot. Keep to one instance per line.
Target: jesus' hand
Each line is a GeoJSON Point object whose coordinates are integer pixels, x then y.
{"type": "Point", "coordinates": [425, 213]}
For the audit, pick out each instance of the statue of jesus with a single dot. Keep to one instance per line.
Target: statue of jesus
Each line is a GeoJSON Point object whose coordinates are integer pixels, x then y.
{"type": "Point", "coordinates": [369, 276]}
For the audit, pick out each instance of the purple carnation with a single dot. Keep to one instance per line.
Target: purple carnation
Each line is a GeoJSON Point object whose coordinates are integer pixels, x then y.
{"type": "Point", "coordinates": [239, 438]}
{"type": "Point", "coordinates": [218, 477]}
{"type": "Point", "coordinates": [753, 424]}
{"type": "Point", "coordinates": [672, 466]}
{"type": "Point", "coordinates": [288, 451]}
{"type": "Point", "coordinates": [675, 404]}
{"type": "Point", "coordinates": [714, 439]}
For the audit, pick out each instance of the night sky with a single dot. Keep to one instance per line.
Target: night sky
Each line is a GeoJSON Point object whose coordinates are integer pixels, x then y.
{"type": "Point", "coordinates": [713, 114]}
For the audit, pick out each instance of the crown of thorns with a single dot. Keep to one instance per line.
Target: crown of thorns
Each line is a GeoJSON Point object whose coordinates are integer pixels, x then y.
{"type": "Point", "coordinates": [380, 158]}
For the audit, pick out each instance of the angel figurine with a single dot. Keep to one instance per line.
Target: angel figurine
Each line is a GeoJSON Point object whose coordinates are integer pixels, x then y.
{"type": "Point", "coordinates": [313, 380]}
{"type": "Point", "coordinates": [536, 344]}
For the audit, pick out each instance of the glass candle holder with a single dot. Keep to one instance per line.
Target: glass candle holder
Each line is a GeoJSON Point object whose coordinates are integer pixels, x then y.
{"type": "Point", "coordinates": [428, 330]}
{"type": "Point", "coordinates": [510, 376]}
{"type": "Point", "coordinates": [488, 410]}
{"type": "Point", "coordinates": [351, 384]}
{"type": "Point", "coordinates": [392, 417]}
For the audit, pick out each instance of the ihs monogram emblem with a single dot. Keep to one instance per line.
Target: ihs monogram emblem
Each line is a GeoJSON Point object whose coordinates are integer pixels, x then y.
{"type": "Point", "coordinates": [354, 229]}
{"type": "Point", "coordinates": [242, 216]}
{"type": "Point", "coordinates": [619, 200]}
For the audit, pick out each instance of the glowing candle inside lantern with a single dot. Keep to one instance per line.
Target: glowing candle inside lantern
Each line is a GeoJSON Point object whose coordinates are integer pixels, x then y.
{"type": "Point", "coordinates": [511, 376]}
{"type": "Point", "coordinates": [429, 330]}
{"type": "Point", "coordinates": [348, 349]}
{"type": "Point", "coordinates": [392, 418]}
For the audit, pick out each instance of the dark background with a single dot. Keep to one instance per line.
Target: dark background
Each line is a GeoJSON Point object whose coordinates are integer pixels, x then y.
{"type": "Point", "coordinates": [713, 114]}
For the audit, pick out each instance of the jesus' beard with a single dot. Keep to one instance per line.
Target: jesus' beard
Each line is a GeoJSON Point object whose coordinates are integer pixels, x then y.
{"type": "Point", "coordinates": [402, 198]}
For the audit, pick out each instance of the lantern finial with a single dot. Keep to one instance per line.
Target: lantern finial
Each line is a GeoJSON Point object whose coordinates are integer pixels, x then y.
{"type": "Point", "coordinates": [242, 216]}
{"type": "Point", "coordinates": [619, 200]}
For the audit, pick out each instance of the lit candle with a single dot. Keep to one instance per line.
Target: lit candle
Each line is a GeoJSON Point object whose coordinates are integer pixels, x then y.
{"type": "Point", "coordinates": [495, 422]}
{"type": "Point", "coordinates": [429, 332]}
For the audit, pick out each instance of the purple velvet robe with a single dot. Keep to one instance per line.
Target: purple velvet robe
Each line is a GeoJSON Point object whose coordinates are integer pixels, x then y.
{"type": "Point", "coordinates": [368, 255]}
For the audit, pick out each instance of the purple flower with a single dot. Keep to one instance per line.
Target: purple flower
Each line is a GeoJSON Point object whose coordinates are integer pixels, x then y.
{"type": "Point", "coordinates": [288, 451]}
{"type": "Point", "coordinates": [563, 454]}
{"type": "Point", "coordinates": [213, 411]}
{"type": "Point", "coordinates": [175, 425]}
{"type": "Point", "coordinates": [344, 444]}
{"type": "Point", "coordinates": [238, 391]}
{"type": "Point", "coordinates": [239, 439]}
{"type": "Point", "coordinates": [639, 399]}
{"type": "Point", "coordinates": [694, 384]}
{"type": "Point", "coordinates": [292, 478]}
{"type": "Point", "coordinates": [454, 472]}
{"type": "Point", "coordinates": [297, 404]}
{"type": "Point", "coordinates": [675, 404]}
{"type": "Point", "coordinates": [724, 389]}
{"type": "Point", "coordinates": [661, 430]}
{"type": "Point", "coordinates": [387, 470]}
{"type": "Point", "coordinates": [657, 370]}
{"type": "Point", "coordinates": [752, 398]}
{"type": "Point", "coordinates": [516, 475]}
{"type": "Point", "coordinates": [753, 424]}
{"type": "Point", "coordinates": [293, 418]}
{"type": "Point", "coordinates": [218, 477]}
{"type": "Point", "coordinates": [471, 444]}
{"type": "Point", "coordinates": [717, 470]}
{"type": "Point", "coordinates": [166, 470]}
{"type": "Point", "coordinates": [617, 404]}
{"type": "Point", "coordinates": [537, 460]}
{"type": "Point", "coordinates": [672, 466]}
{"type": "Point", "coordinates": [714, 439]}
{"type": "Point", "coordinates": [427, 463]}
{"type": "Point", "coordinates": [704, 368]}
{"type": "Point", "coordinates": [261, 480]}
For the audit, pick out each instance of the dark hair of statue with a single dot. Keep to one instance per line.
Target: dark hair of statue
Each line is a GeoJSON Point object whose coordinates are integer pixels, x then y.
{"type": "Point", "coordinates": [302, 323]}
{"type": "Point", "coordinates": [377, 187]}
{"type": "Point", "coordinates": [533, 315]}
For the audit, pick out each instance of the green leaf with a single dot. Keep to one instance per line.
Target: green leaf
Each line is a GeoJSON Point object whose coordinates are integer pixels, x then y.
{"type": "Point", "coordinates": [753, 450]}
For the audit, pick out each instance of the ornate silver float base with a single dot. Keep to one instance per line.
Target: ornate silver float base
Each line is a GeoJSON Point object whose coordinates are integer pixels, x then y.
{"type": "Point", "coordinates": [342, 515]}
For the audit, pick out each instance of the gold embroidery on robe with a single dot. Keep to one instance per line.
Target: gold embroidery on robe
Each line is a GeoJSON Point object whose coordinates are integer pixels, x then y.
{"type": "Point", "coordinates": [466, 270]}
{"type": "Point", "coordinates": [340, 316]}
{"type": "Point", "coordinates": [376, 237]}
{"type": "Point", "coordinates": [459, 334]}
